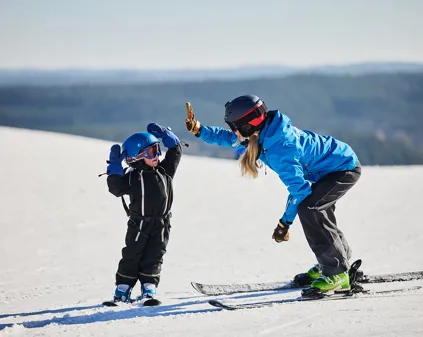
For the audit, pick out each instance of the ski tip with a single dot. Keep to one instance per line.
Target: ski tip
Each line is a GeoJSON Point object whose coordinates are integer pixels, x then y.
{"type": "Point", "coordinates": [109, 304]}
{"type": "Point", "coordinates": [217, 304]}
{"type": "Point", "coordinates": [220, 305]}
{"type": "Point", "coordinates": [151, 302]}
{"type": "Point", "coordinates": [196, 286]}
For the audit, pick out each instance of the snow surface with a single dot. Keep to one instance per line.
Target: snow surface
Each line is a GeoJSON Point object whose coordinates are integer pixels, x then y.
{"type": "Point", "coordinates": [62, 232]}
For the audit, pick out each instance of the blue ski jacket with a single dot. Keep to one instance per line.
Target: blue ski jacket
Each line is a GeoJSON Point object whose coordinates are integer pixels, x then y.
{"type": "Point", "coordinates": [299, 157]}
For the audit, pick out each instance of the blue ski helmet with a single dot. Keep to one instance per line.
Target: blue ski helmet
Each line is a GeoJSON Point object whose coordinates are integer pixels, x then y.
{"type": "Point", "coordinates": [137, 142]}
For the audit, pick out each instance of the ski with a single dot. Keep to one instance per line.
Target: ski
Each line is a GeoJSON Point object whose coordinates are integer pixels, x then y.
{"type": "Point", "coordinates": [270, 286]}
{"type": "Point", "coordinates": [112, 303]}
{"type": "Point", "coordinates": [227, 289]}
{"type": "Point", "coordinates": [342, 295]}
{"type": "Point", "coordinates": [148, 302]}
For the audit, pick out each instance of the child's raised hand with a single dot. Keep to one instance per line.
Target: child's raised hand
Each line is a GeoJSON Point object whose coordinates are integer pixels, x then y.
{"type": "Point", "coordinates": [115, 161]}
{"type": "Point", "coordinates": [167, 136]}
{"type": "Point", "coordinates": [156, 130]}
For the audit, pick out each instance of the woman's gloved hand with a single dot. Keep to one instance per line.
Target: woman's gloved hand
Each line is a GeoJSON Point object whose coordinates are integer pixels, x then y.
{"type": "Point", "coordinates": [281, 232]}
{"type": "Point", "coordinates": [191, 123]}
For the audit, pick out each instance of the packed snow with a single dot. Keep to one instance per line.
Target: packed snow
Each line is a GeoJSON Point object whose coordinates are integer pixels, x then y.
{"type": "Point", "coordinates": [62, 233]}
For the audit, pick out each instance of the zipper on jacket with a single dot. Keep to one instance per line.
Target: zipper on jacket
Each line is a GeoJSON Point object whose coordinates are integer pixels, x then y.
{"type": "Point", "coordinates": [142, 205]}
{"type": "Point", "coordinates": [167, 200]}
{"type": "Point", "coordinates": [307, 171]}
{"type": "Point", "coordinates": [263, 151]}
{"type": "Point", "coordinates": [165, 188]}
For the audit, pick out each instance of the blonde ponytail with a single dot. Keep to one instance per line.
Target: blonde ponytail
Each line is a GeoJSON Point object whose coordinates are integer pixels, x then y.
{"type": "Point", "coordinates": [248, 161]}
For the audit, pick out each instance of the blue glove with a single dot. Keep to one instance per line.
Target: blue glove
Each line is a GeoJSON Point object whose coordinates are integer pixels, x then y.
{"type": "Point", "coordinates": [115, 161]}
{"type": "Point", "coordinates": [168, 137]}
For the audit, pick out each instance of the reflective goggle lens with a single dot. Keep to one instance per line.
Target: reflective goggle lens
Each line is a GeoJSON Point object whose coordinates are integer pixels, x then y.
{"type": "Point", "coordinates": [150, 152]}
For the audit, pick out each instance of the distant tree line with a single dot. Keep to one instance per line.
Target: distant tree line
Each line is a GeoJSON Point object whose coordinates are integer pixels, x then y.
{"type": "Point", "coordinates": [380, 115]}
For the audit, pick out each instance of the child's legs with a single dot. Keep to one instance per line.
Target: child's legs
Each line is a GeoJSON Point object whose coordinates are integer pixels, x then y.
{"type": "Point", "coordinates": [135, 241]}
{"type": "Point", "coordinates": [150, 264]}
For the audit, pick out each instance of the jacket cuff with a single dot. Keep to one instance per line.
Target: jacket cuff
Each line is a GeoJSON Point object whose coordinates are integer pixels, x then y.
{"type": "Point", "coordinates": [284, 221]}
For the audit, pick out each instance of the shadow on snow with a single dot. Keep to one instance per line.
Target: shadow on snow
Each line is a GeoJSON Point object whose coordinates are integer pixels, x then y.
{"type": "Point", "coordinates": [132, 311]}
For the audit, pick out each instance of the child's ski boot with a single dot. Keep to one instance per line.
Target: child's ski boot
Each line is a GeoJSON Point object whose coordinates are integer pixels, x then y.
{"type": "Point", "coordinates": [148, 295]}
{"type": "Point", "coordinates": [122, 293]}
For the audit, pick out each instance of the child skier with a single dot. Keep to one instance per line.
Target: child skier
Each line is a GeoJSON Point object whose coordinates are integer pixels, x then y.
{"type": "Point", "coordinates": [148, 182]}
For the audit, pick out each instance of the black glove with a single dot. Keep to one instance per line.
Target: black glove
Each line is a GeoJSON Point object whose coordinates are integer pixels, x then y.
{"type": "Point", "coordinates": [281, 232]}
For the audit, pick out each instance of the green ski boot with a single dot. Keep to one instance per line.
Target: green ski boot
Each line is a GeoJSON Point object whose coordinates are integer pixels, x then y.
{"type": "Point", "coordinates": [331, 283]}
{"type": "Point", "coordinates": [305, 279]}
{"type": "Point", "coordinates": [315, 271]}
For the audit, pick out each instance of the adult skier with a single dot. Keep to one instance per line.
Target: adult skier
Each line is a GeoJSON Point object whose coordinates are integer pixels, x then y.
{"type": "Point", "coordinates": [317, 170]}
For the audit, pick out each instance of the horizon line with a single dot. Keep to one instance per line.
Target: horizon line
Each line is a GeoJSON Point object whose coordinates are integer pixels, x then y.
{"type": "Point", "coordinates": [245, 66]}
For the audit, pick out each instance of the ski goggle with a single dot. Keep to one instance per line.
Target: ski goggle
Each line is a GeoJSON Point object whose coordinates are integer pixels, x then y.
{"type": "Point", "coordinates": [244, 126]}
{"type": "Point", "coordinates": [150, 152]}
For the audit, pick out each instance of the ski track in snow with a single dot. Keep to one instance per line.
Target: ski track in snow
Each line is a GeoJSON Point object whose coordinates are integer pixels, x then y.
{"type": "Point", "coordinates": [62, 233]}
{"type": "Point", "coordinates": [282, 328]}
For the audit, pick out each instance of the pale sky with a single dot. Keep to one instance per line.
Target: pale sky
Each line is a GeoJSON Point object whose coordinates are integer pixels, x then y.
{"type": "Point", "coordinates": [175, 34]}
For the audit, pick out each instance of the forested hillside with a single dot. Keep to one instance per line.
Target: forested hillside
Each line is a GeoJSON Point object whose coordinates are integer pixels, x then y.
{"type": "Point", "coordinates": [381, 115]}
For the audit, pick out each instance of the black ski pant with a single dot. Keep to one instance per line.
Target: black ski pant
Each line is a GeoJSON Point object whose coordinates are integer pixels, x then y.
{"type": "Point", "coordinates": [317, 216]}
{"type": "Point", "coordinates": [142, 256]}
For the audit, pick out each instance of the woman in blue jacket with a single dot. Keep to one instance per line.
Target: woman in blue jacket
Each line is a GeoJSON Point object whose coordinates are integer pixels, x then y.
{"type": "Point", "coordinates": [317, 170]}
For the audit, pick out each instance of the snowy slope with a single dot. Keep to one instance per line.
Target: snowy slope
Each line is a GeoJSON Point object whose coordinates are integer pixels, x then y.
{"type": "Point", "coordinates": [62, 232]}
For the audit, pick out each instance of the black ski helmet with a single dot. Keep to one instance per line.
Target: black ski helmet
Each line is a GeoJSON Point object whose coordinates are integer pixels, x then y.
{"type": "Point", "coordinates": [246, 114]}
